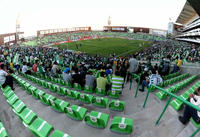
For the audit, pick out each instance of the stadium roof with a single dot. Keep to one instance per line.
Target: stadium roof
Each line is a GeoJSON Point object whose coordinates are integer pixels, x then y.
{"type": "Point", "coordinates": [186, 14]}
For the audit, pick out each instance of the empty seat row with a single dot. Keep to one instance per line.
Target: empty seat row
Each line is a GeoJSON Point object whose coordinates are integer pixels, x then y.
{"type": "Point", "coordinates": [35, 124]}
{"type": "Point", "coordinates": [162, 95]}
{"type": "Point", "coordinates": [177, 104]}
{"type": "Point", "coordinates": [171, 81]}
{"type": "Point", "coordinates": [171, 75]}
{"type": "Point", "coordinates": [93, 118]}
{"type": "Point", "coordinates": [86, 98]}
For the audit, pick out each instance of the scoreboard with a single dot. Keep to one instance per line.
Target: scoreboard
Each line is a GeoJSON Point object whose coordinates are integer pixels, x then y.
{"type": "Point", "coordinates": [115, 28]}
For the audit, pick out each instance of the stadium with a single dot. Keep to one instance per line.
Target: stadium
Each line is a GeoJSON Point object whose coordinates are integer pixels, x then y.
{"type": "Point", "coordinates": [116, 81]}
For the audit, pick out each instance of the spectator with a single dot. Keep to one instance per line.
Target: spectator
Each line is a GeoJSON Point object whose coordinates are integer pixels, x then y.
{"type": "Point", "coordinates": [35, 66]}
{"type": "Point", "coordinates": [90, 80]}
{"type": "Point", "coordinates": [152, 79]}
{"type": "Point", "coordinates": [76, 78]}
{"type": "Point", "coordinates": [117, 82]}
{"type": "Point", "coordinates": [5, 78]}
{"type": "Point", "coordinates": [190, 112]}
{"type": "Point", "coordinates": [67, 76]}
{"type": "Point", "coordinates": [24, 68]}
{"type": "Point", "coordinates": [102, 82]}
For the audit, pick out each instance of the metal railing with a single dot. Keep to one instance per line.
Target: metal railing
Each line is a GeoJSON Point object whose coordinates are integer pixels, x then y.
{"type": "Point", "coordinates": [171, 95]}
{"type": "Point", "coordinates": [134, 77]}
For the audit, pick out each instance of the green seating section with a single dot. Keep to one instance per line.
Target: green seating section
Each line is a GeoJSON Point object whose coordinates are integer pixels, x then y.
{"type": "Point", "coordinates": [161, 95]}
{"type": "Point", "coordinates": [171, 81]}
{"type": "Point", "coordinates": [94, 118]}
{"type": "Point", "coordinates": [97, 119]}
{"type": "Point", "coordinates": [3, 132]}
{"type": "Point", "coordinates": [76, 86]}
{"type": "Point", "coordinates": [72, 94]}
{"type": "Point", "coordinates": [176, 104]}
{"type": "Point", "coordinates": [36, 125]}
{"type": "Point", "coordinates": [171, 75]}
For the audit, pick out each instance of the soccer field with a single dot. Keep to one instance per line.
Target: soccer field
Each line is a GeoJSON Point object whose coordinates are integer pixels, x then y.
{"type": "Point", "coordinates": [105, 47]}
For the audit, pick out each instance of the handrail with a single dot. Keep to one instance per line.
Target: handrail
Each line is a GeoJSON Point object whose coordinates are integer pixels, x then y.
{"type": "Point", "coordinates": [131, 82]}
{"type": "Point", "coordinates": [171, 95]}
{"type": "Point", "coordinates": [166, 105]}
{"type": "Point", "coordinates": [177, 97]}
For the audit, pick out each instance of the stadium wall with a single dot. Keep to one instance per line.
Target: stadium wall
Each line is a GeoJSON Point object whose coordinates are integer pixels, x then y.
{"type": "Point", "coordinates": [8, 38]}
{"type": "Point", "coordinates": [41, 33]}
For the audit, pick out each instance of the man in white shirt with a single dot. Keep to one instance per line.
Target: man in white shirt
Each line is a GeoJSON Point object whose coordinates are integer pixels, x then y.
{"type": "Point", "coordinates": [24, 68]}
{"type": "Point", "coordinates": [190, 112]}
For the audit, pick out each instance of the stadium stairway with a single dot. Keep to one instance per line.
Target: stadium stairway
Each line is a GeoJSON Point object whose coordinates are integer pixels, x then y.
{"type": "Point", "coordinates": [144, 119]}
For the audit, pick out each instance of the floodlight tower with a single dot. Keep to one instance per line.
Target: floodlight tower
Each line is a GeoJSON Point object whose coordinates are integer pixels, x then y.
{"type": "Point", "coordinates": [17, 29]}
{"type": "Point", "coordinates": [109, 21]}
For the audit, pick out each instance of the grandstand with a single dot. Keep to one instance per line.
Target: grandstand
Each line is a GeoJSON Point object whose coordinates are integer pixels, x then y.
{"type": "Point", "coordinates": [189, 18]}
{"type": "Point", "coordinates": [46, 103]}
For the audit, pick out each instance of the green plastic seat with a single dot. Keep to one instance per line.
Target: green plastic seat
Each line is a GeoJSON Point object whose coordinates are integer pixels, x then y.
{"type": "Point", "coordinates": [22, 83]}
{"type": "Point", "coordinates": [86, 98]}
{"type": "Point", "coordinates": [75, 112]}
{"type": "Point", "coordinates": [40, 128]}
{"type": "Point", "coordinates": [122, 125]}
{"type": "Point", "coordinates": [97, 119]}
{"type": "Point", "coordinates": [88, 89]}
{"type": "Point", "coordinates": [113, 94]}
{"type": "Point", "coordinates": [184, 96]}
{"type": "Point", "coordinates": [44, 84]}
{"type": "Point", "coordinates": [37, 93]}
{"type": "Point", "coordinates": [61, 82]}
{"type": "Point", "coordinates": [8, 94]}
{"type": "Point", "coordinates": [100, 91]}
{"type": "Point", "coordinates": [6, 89]}
{"type": "Point", "coordinates": [58, 133]}
{"type": "Point", "coordinates": [55, 80]}
{"type": "Point", "coordinates": [161, 95]}
{"type": "Point", "coordinates": [117, 105]}
{"type": "Point", "coordinates": [48, 85]}
{"type": "Point", "coordinates": [18, 106]}
{"type": "Point", "coordinates": [40, 82]}
{"type": "Point", "coordinates": [176, 104]}
{"type": "Point", "coordinates": [58, 104]}
{"type": "Point", "coordinates": [3, 132]}
{"type": "Point", "coordinates": [100, 101]}
{"type": "Point", "coordinates": [77, 86]}
{"type": "Point", "coordinates": [54, 88]}
{"type": "Point", "coordinates": [195, 123]}
{"type": "Point", "coordinates": [68, 84]}
{"type": "Point", "coordinates": [72, 94]}
{"type": "Point", "coordinates": [31, 89]}
{"type": "Point", "coordinates": [62, 91]}
{"type": "Point", "coordinates": [26, 86]}
{"type": "Point", "coordinates": [27, 116]}
{"type": "Point", "coordinates": [45, 98]}
{"type": "Point", "coordinates": [12, 99]}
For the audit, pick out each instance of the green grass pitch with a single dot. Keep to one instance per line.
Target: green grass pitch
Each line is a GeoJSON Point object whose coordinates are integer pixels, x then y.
{"type": "Point", "coordinates": [106, 46]}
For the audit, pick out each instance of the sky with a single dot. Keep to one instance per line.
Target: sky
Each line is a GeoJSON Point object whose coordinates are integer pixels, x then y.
{"type": "Point", "coordinates": [51, 14]}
